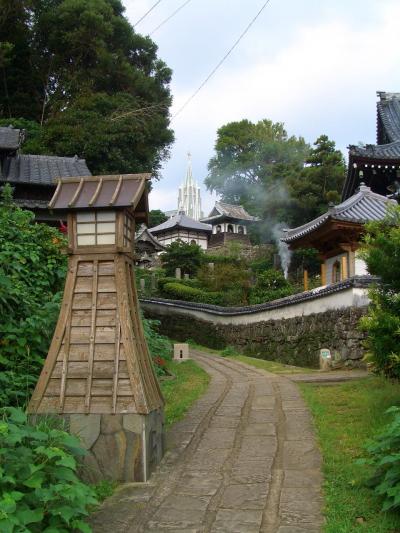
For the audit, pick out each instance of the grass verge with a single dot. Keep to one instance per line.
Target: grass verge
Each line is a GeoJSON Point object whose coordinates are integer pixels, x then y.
{"type": "Point", "coordinates": [346, 415]}
{"type": "Point", "coordinates": [272, 366]}
{"type": "Point", "coordinates": [180, 393]}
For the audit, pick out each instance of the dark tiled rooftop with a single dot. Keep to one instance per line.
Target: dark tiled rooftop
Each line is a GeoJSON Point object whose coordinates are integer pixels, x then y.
{"type": "Point", "coordinates": [222, 209]}
{"type": "Point", "coordinates": [43, 169]}
{"type": "Point", "coordinates": [362, 207]}
{"type": "Point", "coordinates": [180, 221]}
{"type": "Point", "coordinates": [10, 138]}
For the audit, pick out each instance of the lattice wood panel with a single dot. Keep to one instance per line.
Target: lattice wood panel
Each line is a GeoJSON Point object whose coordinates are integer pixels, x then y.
{"type": "Point", "coordinates": [98, 361]}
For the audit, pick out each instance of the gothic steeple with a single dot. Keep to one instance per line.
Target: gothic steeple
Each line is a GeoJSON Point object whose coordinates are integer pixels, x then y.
{"type": "Point", "coordinates": [189, 199]}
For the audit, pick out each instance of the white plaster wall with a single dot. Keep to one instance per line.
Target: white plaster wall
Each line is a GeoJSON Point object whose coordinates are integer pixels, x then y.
{"type": "Point", "coordinates": [360, 267]}
{"type": "Point", "coordinates": [350, 297]}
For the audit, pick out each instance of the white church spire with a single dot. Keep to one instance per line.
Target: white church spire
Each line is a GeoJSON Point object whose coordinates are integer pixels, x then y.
{"type": "Point", "coordinates": [189, 199]}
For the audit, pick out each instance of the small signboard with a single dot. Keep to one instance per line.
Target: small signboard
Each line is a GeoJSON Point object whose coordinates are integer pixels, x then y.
{"type": "Point", "coordinates": [325, 353]}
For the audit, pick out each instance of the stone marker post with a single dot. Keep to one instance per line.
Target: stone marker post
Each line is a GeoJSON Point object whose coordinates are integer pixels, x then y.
{"type": "Point", "coordinates": [98, 373]}
{"type": "Point", "coordinates": [178, 273]}
{"type": "Point", "coordinates": [325, 359]}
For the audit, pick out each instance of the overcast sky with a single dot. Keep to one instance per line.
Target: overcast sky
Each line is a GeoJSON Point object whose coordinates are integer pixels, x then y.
{"type": "Point", "coordinates": [313, 64]}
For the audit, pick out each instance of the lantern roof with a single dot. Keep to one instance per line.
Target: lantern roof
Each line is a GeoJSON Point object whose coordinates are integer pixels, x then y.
{"type": "Point", "coordinates": [99, 192]}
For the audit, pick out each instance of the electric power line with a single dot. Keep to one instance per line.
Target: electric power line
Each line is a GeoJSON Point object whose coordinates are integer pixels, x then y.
{"type": "Point", "coordinates": [222, 60]}
{"type": "Point", "coordinates": [147, 13]}
{"type": "Point", "coordinates": [170, 17]}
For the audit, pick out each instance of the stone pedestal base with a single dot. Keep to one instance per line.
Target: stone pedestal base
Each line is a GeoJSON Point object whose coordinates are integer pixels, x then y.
{"type": "Point", "coordinates": [121, 447]}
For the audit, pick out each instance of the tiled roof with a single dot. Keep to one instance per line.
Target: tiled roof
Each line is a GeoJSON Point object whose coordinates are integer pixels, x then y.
{"type": "Point", "coordinates": [389, 113]}
{"type": "Point", "coordinates": [360, 208]}
{"type": "Point", "coordinates": [377, 151]}
{"type": "Point", "coordinates": [10, 138]}
{"type": "Point", "coordinates": [180, 221]}
{"type": "Point", "coordinates": [233, 211]}
{"type": "Point", "coordinates": [43, 169]}
{"type": "Point", "coordinates": [145, 235]}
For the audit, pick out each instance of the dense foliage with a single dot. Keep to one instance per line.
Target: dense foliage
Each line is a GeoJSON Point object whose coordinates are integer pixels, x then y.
{"type": "Point", "coordinates": [270, 285]}
{"type": "Point", "coordinates": [160, 347]}
{"type": "Point", "coordinates": [319, 183]}
{"type": "Point", "coordinates": [179, 254]}
{"type": "Point", "coordinates": [274, 176]}
{"type": "Point", "coordinates": [40, 491]}
{"type": "Point", "coordinates": [384, 457]}
{"type": "Point", "coordinates": [381, 252]}
{"type": "Point", "coordinates": [92, 86]}
{"type": "Point", "coordinates": [156, 217]}
{"type": "Point", "coordinates": [32, 274]}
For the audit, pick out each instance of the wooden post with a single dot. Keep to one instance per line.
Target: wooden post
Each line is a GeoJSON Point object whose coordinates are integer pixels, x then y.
{"type": "Point", "coordinates": [323, 273]}
{"type": "Point", "coordinates": [344, 268]}
{"type": "Point", "coordinates": [305, 279]}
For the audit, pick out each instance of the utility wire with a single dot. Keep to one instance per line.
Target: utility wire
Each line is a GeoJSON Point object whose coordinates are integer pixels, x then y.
{"type": "Point", "coordinates": [222, 60]}
{"type": "Point", "coordinates": [170, 17]}
{"type": "Point", "coordinates": [147, 13]}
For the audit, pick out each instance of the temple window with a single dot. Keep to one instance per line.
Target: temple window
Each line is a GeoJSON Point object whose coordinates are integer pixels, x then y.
{"type": "Point", "coordinates": [240, 230]}
{"type": "Point", "coordinates": [336, 272]}
{"type": "Point", "coordinates": [193, 241]}
{"type": "Point", "coordinates": [230, 228]}
{"type": "Point", "coordinates": [95, 228]}
{"type": "Point", "coordinates": [128, 225]}
{"type": "Point", "coordinates": [219, 228]}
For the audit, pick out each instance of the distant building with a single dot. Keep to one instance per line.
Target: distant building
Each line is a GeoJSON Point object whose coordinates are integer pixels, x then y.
{"type": "Point", "coordinates": [378, 165]}
{"type": "Point", "coordinates": [189, 199]}
{"type": "Point", "coordinates": [33, 177]}
{"type": "Point", "coordinates": [337, 233]}
{"type": "Point", "coordinates": [229, 223]}
{"type": "Point", "coordinates": [147, 247]}
{"type": "Point", "coordinates": [181, 227]}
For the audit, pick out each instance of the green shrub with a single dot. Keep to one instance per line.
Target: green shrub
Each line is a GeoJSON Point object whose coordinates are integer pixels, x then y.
{"type": "Point", "coordinates": [191, 282]}
{"type": "Point", "coordinates": [270, 285]}
{"type": "Point", "coordinates": [381, 251]}
{"type": "Point", "coordinates": [384, 457]}
{"type": "Point", "coordinates": [179, 254]}
{"type": "Point", "coordinates": [39, 489]}
{"type": "Point", "coordinates": [32, 274]}
{"type": "Point", "coordinates": [160, 347]}
{"type": "Point", "coordinates": [178, 291]}
{"type": "Point", "coordinates": [229, 351]}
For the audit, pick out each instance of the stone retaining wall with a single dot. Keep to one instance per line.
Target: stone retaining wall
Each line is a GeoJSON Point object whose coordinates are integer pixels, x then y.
{"type": "Point", "coordinates": [293, 340]}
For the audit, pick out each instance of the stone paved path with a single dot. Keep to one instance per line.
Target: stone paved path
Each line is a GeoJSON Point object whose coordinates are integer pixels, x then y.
{"type": "Point", "coordinates": [243, 460]}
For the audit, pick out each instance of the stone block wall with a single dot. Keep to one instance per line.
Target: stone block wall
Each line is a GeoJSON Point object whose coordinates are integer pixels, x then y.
{"type": "Point", "coordinates": [120, 447]}
{"type": "Point", "coordinates": [294, 340]}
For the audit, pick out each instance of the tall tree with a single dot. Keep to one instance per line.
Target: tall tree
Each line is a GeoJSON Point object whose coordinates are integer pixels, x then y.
{"type": "Point", "coordinates": [252, 162]}
{"type": "Point", "coordinates": [319, 183]}
{"type": "Point", "coordinates": [156, 217]}
{"type": "Point", "coordinates": [96, 86]}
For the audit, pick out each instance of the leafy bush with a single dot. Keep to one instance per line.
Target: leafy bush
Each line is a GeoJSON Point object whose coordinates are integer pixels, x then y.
{"type": "Point", "coordinates": [160, 347]}
{"type": "Point", "coordinates": [39, 488]}
{"type": "Point", "coordinates": [384, 456]}
{"type": "Point", "coordinates": [270, 285]}
{"type": "Point", "coordinates": [179, 254]}
{"type": "Point", "coordinates": [229, 351]}
{"type": "Point", "coordinates": [381, 251]}
{"type": "Point", "coordinates": [178, 291]}
{"type": "Point", "coordinates": [32, 274]}
{"type": "Point", "coordinates": [193, 282]}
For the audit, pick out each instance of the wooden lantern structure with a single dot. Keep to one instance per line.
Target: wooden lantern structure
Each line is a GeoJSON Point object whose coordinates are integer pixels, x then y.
{"type": "Point", "coordinates": [98, 373]}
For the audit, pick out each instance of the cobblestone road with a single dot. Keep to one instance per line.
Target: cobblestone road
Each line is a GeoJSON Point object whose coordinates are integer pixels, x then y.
{"type": "Point", "coordinates": [243, 460]}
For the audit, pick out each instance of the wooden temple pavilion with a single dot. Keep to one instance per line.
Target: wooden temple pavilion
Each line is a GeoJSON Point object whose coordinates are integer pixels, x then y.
{"type": "Point", "coordinates": [336, 234]}
{"type": "Point", "coordinates": [98, 373]}
{"type": "Point", "coordinates": [33, 177]}
{"type": "Point", "coordinates": [378, 165]}
{"type": "Point", "coordinates": [229, 223]}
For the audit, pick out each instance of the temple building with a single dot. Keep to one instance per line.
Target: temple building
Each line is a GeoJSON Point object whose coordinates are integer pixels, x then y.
{"type": "Point", "coordinates": [33, 177]}
{"type": "Point", "coordinates": [181, 227]}
{"type": "Point", "coordinates": [337, 233]}
{"type": "Point", "coordinates": [147, 248]}
{"type": "Point", "coordinates": [378, 165]}
{"type": "Point", "coordinates": [189, 200]}
{"type": "Point", "coordinates": [229, 223]}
